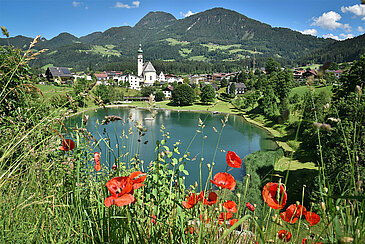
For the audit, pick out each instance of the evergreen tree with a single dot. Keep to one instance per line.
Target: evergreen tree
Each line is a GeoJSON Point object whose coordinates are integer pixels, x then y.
{"type": "Point", "coordinates": [224, 82]}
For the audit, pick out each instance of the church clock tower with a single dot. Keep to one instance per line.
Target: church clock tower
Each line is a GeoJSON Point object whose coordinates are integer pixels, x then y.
{"type": "Point", "coordinates": [140, 60]}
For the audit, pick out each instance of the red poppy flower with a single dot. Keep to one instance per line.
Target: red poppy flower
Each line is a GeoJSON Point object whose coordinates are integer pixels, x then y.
{"type": "Point", "coordinates": [212, 199]}
{"type": "Point", "coordinates": [224, 216]}
{"type": "Point", "coordinates": [312, 218]}
{"type": "Point", "coordinates": [304, 241]}
{"type": "Point", "coordinates": [284, 235]}
{"type": "Point", "coordinates": [230, 206]}
{"type": "Point", "coordinates": [233, 160]}
{"type": "Point", "coordinates": [233, 221]}
{"type": "Point", "coordinates": [192, 199]}
{"type": "Point", "coordinates": [97, 161]}
{"type": "Point", "coordinates": [119, 201]}
{"type": "Point", "coordinates": [121, 189]}
{"type": "Point", "coordinates": [67, 145]}
{"type": "Point", "coordinates": [191, 230]}
{"type": "Point", "coordinates": [250, 206]}
{"type": "Point", "coordinates": [269, 194]}
{"type": "Point", "coordinates": [153, 219]}
{"type": "Point", "coordinates": [292, 213]}
{"type": "Point", "coordinates": [224, 180]}
{"type": "Point", "coordinates": [137, 179]}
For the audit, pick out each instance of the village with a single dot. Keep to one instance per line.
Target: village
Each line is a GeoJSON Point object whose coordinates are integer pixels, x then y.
{"type": "Point", "coordinates": [147, 76]}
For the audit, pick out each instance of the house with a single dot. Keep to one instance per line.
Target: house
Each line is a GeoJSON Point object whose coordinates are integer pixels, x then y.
{"type": "Point", "coordinates": [337, 73]}
{"type": "Point", "coordinates": [59, 74]}
{"type": "Point", "coordinates": [162, 77]}
{"type": "Point", "coordinates": [168, 91]}
{"type": "Point", "coordinates": [101, 78]}
{"type": "Point", "coordinates": [240, 88]}
{"type": "Point", "coordinates": [135, 82]}
{"type": "Point", "coordinates": [309, 73]}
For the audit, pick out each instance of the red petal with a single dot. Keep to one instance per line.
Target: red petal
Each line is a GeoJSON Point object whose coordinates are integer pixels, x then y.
{"type": "Point", "coordinates": [233, 160]}
{"type": "Point", "coordinates": [233, 221]}
{"type": "Point", "coordinates": [269, 194]}
{"type": "Point", "coordinates": [124, 200]}
{"type": "Point", "coordinates": [109, 201]}
{"type": "Point", "coordinates": [187, 205]}
{"type": "Point", "coordinates": [312, 218]}
{"type": "Point", "coordinates": [97, 167]}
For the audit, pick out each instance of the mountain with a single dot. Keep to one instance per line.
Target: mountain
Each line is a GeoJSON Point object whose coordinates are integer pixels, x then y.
{"type": "Point", "coordinates": [214, 35]}
{"type": "Point", "coordinates": [339, 52]}
{"type": "Point", "coordinates": [18, 41]}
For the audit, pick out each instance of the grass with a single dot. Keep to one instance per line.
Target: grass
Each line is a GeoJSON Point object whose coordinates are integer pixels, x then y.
{"type": "Point", "coordinates": [49, 90]}
{"type": "Point", "coordinates": [213, 47]}
{"type": "Point", "coordinates": [46, 66]}
{"type": "Point", "coordinates": [105, 51]}
{"type": "Point", "coordinates": [301, 90]}
{"type": "Point", "coordinates": [312, 66]}
{"type": "Point", "coordinates": [174, 42]}
{"type": "Point", "coordinates": [197, 58]}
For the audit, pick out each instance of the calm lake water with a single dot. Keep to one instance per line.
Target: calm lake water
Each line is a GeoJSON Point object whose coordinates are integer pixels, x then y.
{"type": "Point", "coordinates": [238, 136]}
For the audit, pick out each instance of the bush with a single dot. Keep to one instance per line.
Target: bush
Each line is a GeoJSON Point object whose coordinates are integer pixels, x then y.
{"type": "Point", "coordinates": [160, 96]}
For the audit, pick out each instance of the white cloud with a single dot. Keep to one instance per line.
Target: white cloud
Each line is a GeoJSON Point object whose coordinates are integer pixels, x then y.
{"type": "Point", "coordinates": [343, 36]}
{"type": "Point", "coordinates": [329, 21]}
{"type": "Point", "coordinates": [135, 4]}
{"type": "Point", "coordinates": [348, 36]}
{"type": "Point", "coordinates": [357, 9]}
{"type": "Point", "coordinates": [312, 32]}
{"type": "Point", "coordinates": [331, 36]}
{"type": "Point", "coordinates": [360, 29]}
{"type": "Point", "coordinates": [189, 13]}
{"type": "Point", "coordinates": [76, 4]}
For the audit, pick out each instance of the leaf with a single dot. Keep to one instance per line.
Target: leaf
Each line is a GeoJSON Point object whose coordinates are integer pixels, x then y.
{"type": "Point", "coordinates": [163, 142]}
{"type": "Point", "coordinates": [186, 172]}
{"type": "Point", "coordinates": [181, 167]}
{"type": "Point", "coordinates": [174, 161]}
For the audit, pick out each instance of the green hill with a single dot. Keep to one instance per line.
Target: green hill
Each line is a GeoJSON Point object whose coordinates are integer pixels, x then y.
{"type": "Point", "coordinates": [214, 35]}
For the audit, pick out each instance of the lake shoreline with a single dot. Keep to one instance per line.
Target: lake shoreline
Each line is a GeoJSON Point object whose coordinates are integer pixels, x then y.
{"type": "Point", "coordinates": [279, 144]}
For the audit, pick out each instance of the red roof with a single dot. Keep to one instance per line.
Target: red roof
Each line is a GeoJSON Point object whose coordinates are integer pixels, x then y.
{"type": "Point", "coordinates": [101, 75]}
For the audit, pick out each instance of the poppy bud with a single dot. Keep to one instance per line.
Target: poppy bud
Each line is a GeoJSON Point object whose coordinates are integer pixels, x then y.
{"type": "Point", "coordinates": [323, 206]}
{"type": "Point", "coordinates": [325, 189]}
{"type": "Point", "coordinates": [114, 167]}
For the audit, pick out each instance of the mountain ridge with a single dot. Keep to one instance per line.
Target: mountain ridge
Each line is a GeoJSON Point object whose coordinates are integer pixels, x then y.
{"type": "Point", "coordinates": [216, 34]}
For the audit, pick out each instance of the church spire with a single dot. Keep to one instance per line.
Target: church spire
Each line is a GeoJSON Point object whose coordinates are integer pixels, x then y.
{"type": "Point", "coordinates": [140, 60]}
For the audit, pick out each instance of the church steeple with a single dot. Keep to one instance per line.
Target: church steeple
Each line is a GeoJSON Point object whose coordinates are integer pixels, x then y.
{"type": "Point", "coordinates": [140, 60]}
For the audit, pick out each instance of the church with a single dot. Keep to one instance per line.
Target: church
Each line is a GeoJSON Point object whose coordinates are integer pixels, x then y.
{"type": "Point", "coordinates": [146, 75]}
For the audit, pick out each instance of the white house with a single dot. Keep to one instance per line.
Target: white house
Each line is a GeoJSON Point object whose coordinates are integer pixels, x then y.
{"type": "Point", "coordinates": [134, 81]}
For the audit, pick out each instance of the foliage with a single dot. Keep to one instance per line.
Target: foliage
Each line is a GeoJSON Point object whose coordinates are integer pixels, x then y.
{"type": "Point", "coordinates": [224, 82]}
{"type": "Point", "coordinates": [183, 95]}
{"type": "Point", "coordinates": [232, 89]}
{"type": "Point", "coordinates": [207, 94]}
{"type": "Point", "coordinates": [160, 96]}
{"type": "Point", "coordinates": [146, 91]}
{"type": "Point", "coordinates": [272, 66]}
{"type": "Point", "coordinates": [78, 90]}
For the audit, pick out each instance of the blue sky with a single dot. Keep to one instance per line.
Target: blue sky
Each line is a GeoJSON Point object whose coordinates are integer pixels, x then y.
{"type": "Point", "coordinates": [323, 18]}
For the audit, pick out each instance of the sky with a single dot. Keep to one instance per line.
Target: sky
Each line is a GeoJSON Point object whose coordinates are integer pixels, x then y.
{"type": "Point", "coordinates": [323, 18]}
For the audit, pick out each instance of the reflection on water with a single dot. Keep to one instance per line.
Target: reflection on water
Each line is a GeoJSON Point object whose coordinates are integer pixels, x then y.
{"type": "Point", "coordinates": [238, 136]}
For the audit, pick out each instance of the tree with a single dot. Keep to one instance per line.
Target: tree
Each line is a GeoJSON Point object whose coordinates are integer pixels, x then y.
{"type": "Point", "coordinates": [224, 82]}
{"type": "Point", "coordinates": [78, 89]}
{"type": "Point", "coordinates": [160, 96]}
{"type": "Point", "coordinates": [208, 94]}
{"type": "Point", "coordinates": [232, 90]}
{"type": "Point", "coordinates": [105, 93]}
{"type": "Point", "coordinates": [272, 66]}
{"type": "Point", "coordinates": [183, 95]}
{"type": "Point", "coordinates": [146, 91]}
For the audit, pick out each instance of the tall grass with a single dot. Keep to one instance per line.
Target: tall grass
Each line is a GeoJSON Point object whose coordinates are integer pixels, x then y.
{"type": "Point", "coordinates": [49, 195]}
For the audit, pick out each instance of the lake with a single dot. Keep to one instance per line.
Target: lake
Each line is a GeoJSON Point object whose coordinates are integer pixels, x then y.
{"type": "Point", "coordinates": [238, 136]}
